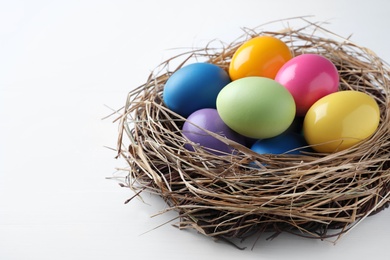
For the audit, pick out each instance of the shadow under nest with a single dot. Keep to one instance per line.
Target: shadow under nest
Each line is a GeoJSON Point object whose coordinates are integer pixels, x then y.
{"type": "Point", "coordinates": [235, 196]}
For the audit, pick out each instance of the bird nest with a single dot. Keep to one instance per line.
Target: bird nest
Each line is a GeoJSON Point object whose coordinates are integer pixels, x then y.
{"type": "Point", "coordinates": [312, 195]}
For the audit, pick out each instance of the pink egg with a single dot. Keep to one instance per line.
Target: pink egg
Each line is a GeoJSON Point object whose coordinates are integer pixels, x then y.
{"type": "Point", "coordinates": [308, 77]}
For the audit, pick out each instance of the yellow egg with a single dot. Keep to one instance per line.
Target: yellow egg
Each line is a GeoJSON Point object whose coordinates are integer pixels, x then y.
{"type": "Point", "coordinates": [340, 120]}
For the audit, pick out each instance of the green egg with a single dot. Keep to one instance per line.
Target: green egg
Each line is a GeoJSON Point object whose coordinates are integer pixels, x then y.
{"type": "Point", "coordinates": [256, 107]}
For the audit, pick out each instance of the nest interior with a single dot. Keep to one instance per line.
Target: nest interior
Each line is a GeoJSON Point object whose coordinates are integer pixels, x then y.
{"type": "Point", "coordinates": [222, 196]}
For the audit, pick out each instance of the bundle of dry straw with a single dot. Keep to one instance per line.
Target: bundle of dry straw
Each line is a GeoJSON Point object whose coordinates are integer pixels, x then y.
{"type": "Point", "coordinates": [312, 195]}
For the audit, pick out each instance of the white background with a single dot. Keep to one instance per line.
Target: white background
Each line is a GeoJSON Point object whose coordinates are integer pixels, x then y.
{"type": "Point", "coordinates": [65, 64]}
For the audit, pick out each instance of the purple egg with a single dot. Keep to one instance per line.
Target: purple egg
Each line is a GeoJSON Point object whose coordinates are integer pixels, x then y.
{"type": "Point", "coordinates": [209, 119]}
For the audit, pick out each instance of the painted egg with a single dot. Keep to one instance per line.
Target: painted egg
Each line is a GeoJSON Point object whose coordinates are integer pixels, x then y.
{"type": "Point", "coordinates": [209, 119]}
{"type": "Point", "coordinates": [261, 56]}
{"type": "Point", "coordinates": [308, 77]}
{"type": "Point", "coordinates": [341, 120]}
{"type": "Point", "coordinates": [256, 107]}
{"type": "Point", "coordinates": [286, 143]}
{"type": "Point", "coordinates": [194, 87]}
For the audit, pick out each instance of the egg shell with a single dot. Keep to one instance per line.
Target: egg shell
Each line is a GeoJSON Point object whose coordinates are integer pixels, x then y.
{"type": "Point", "coordinates": [261, 56]}
{"type": "Point", "coordinates": [256, 107]}
{"type": "Point", "coordinates": [285, 143]}
{"type": "Point", "coordinates": [209, 119]}
{"type": "Point", "coordinates": [341, 120]}
{"type": "Point", "coordinates": [308, 77]}
{"type": "Point", "coordinates": [194, 87]}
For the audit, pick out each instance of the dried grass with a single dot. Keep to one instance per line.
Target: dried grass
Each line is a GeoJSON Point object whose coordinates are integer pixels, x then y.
{"type": "Point", "coordinates": [311, 195]}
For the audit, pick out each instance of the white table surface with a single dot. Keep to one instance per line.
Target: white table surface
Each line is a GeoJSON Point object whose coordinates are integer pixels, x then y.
{"type": "Point", "coordinates": [65, 64]}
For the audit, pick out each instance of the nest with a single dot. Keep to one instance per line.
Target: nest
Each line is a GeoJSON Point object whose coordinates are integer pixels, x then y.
{"type": "Point", "coordinates": [311, 195]}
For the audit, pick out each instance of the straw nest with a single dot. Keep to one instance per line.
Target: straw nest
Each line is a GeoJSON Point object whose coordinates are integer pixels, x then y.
{"type": "Point", "coordinates": [312, 195]}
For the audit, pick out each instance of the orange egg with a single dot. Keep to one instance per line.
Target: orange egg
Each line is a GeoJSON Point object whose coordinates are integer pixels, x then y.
{"type": "Point", "coordinates": [260, 56]}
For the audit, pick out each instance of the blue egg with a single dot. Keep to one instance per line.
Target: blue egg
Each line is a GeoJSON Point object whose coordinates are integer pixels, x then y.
{"type": "Point", "coordinates": [194, 87]}
{"type": "Point", "coordinates": [286, 143]}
